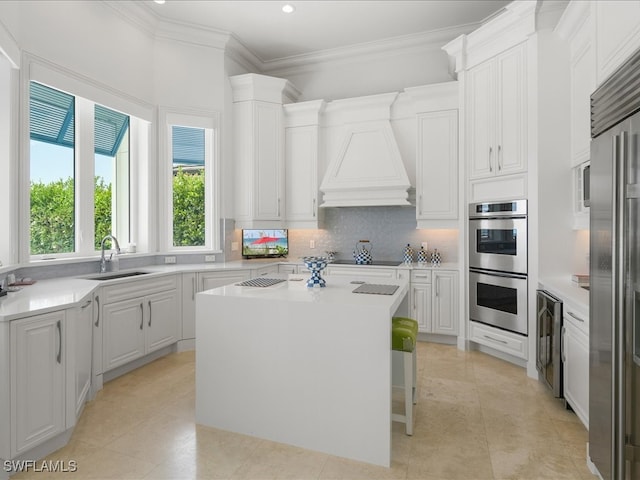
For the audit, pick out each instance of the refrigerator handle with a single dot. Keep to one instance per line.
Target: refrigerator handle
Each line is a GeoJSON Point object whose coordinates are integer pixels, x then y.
{"type": "Point", "coordinates": [619, 266]}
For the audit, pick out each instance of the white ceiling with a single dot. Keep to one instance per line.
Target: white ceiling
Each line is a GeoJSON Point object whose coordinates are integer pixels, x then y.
{"type": "Point", "coordinates": [321, 25]}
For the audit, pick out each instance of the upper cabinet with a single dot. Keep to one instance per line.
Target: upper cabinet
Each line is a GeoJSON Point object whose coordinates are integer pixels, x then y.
{"type": "Point", "coordinates": [302, 150]}
{"type": "Point", "coordinates": [497, 115]}
{"type": "Point", "coordinates": [436, 154]}
{"type": "Point", "coordinates": [258, 149]}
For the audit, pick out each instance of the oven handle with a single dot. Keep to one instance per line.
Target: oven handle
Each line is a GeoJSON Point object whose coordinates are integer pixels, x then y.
{"type": "Point", "coordinates": [493, 273]}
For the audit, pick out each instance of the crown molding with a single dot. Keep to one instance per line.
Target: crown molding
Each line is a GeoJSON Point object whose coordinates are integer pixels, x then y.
{"type": "Point", "coordinates": [574, 16]}
{"type": "Point", "coordinates": [381, 49]}
{"type": "Point", "coordinates": [9, 47]}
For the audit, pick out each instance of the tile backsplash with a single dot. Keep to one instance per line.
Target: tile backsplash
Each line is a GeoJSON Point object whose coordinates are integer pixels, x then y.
{"type": "Point", "coordinates": [389, 229]}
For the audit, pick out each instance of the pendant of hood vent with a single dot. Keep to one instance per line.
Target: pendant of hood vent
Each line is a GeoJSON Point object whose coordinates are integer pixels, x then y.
{"type": "Point", "coordinates": [367, 169]}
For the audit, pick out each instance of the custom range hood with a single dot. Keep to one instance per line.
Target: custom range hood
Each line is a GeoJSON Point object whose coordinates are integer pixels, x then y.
{"type": "Point", "coordinates": [365, 167]}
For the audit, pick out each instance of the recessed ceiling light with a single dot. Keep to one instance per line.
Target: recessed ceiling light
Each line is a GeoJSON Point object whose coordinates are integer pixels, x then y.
{"type": "Point", "coordinates": [159, 2]}
{"type": "Point", "coordinates": [288, 8]}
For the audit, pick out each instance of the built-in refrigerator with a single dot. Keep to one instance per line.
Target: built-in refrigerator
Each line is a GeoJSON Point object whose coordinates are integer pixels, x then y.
{"type": "Point", "coordinates": [614, 310]}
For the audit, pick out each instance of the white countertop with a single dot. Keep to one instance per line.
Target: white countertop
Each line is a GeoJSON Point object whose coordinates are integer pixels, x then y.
{"type": "Point", "coordinates": [568, 291]}
{"type": "Point", "coordinates": [45, 296]}
{"type": "Point", "coordinates": [294, 289]}
{"type": "Point", "coordinates": [67, 292]}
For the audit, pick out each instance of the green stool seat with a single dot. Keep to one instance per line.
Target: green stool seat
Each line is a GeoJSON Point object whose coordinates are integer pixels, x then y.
{"type": "Point", "coordinates": [403, 334]}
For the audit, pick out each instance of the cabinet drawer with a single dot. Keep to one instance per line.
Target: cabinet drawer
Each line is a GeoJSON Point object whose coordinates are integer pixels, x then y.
{"type": "Point", "coordinates": [501, 340]}
{"type": "Point", "coordinates": [421, 276]}
{"type": "Point", "coordinates": [137, 288]}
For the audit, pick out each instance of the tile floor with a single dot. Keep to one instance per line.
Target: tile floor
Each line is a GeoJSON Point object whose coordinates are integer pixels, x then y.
{"type": "Point", "coordinates": [477, 418]}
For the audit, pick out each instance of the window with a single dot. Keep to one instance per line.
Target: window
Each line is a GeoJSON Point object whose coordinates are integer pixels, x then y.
{"type": "Point", "coordinates": [188, 169]}
{"type": "Point", "coordinates": [79, 177]}
{"type": "Point", "coordinates": [191, 217]}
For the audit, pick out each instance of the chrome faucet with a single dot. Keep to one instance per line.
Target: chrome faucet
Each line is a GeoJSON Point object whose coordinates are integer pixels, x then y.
{"type": "Point", "coordinates": [103, 261]}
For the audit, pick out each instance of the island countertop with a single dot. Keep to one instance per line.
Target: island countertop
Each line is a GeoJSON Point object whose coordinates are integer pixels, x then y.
{"type": "Point", "coordinates": [309, 367]}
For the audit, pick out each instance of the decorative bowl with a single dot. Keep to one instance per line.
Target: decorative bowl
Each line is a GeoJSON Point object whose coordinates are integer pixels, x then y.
{"type": "Point", "coordinates": [315, 266]}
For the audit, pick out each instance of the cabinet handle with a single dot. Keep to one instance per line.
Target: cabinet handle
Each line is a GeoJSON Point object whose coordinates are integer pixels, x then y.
{"type": "Point", "coordinates": [98, 315]}
{"type": "Point", "coordinates": [573, 315]}
{"type": "Point", "coordinates": [59, 356]}
{"type": "Point", "coordinates": [420, 204]}
{"type": "Point", "coordinates": [149, 312]}
{"type": "Point", "coordinates": [87, 303]}
{"type": "Point", "coordinates": [490, 155]}
{"type": "Point", "coordinates": [562, 337]}
{"type": "Point", "coordinates": [437, 286]}
{"type": "Point", "coordinates": [498, 157]}
{"type": "Point", "coordinates": [414, 299]}
{"type": "Point", "coordinates": [141, 315]}
{"type": "Point", "coordinates": [314, 208]}
{"type": "Point", "coordinates": [193, 288]}
{"type": "Point", "coordinates": [495, 339]}
{"type": "Point", "coordinates": [278, 207]}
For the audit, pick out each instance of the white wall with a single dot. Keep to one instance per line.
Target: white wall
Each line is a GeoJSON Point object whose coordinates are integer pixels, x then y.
{"type": "Point", "coordinates": [6, 170]}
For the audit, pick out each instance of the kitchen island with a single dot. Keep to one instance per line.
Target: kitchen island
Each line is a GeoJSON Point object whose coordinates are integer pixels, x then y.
{"type": "Point", "coordinates": [309, 367]}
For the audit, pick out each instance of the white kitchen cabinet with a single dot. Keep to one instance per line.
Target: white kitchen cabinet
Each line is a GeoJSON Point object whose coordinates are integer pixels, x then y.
{"type": "Point", "coordinates": [437, 166]}
{"type": "Point", "coordinates": [575, 358]}
{"type": "Point", "coordinates": [496, 100]}
{"type": "Point", "coordinates": [123, 332]}
{"type": "Point", "coordinates": [138, 317]}
{"type": "Point", "coordinates": [498, 339]}
{"type": "Point", "coordinates": [162, 326]}
{"type": "Point", "coordinates": [302, 149]}
{"type": "Point", "coordinates": [80, 359]}
{"type": "Point", "coordinates": [38, 363]}
{"type": "Point", "coordinates": [209, 280]}
{"type": "Point", "coordinates": [434, 301]}
{"type": "Point", "coordinates": [445, 302]}
{"type": "Point", "coordinates": [289, 268]}
{"type": "Point", "coordinates": [359, 271]}
{"type": "Point", "coordinates": [258, 148]}
{"type": "Point", "coordinates": [189, 290]}
{"type": "Point", "coordinates": [264, 271]}
{"type": "Point", "coordinates": [421, 293]}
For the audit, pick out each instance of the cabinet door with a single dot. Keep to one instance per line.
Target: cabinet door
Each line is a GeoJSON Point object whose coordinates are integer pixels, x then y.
{"type": "Point", "coordinates": [301, 157]}
{"type": "Point", "coordinates": [268, 162]}
{"type": "Point", "coordinates": [207, 281]}
{"type": "Point", "coordinates": [480, 120]}
{"type": "Point", "coordinates": [511, 126]}
{"type": "Point", "coordinates": [123, 332]}
{"type": "Point", "coordinates": [189, 289]}
{"type": "Point", "coordinates": [37, 380]}
{"type": "Point", "coordinates": [83, 352]}
{"type": "Point", "coordinates": [421, 305]}
{"type": "Point", "coordinates": [437, 165]}
{"type": "Point", "coordinates": [288, 268]}
{"type": "Point", "coordinates": [445, 303]}
{"type": "Point", "coordinates": [162, 320]}
{"type": "Point", "coordinates": [576, 370]}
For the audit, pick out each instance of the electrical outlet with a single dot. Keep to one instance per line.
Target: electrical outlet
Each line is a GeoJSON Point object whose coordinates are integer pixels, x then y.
{"type": "Point", "coordinates": [312, 244]}
{"type": "Point", "coordinates": [234, 246]}
{"type": "Point", "coordinates": [209, 258]}
{"type": "Point", "coordinates": [424, 245]}
{"type": "Point", "coordinates": [169, 259]}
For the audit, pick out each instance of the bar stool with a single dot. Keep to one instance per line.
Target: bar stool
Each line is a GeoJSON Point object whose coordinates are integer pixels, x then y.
{"type": "Point", "coordinates": [403, 340]}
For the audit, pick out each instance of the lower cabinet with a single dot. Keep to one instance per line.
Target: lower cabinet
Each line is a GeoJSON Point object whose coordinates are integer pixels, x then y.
{"type": "Point", "coordinates": [81, 348]}
{"type": "Point", "coordinates": [193, 283]}
{"type": "Point", "coordinates": [434, 301]}
{"type": "Point", "coordinates": [38, 363]}
{"type": "Point", "coordinates": [138, 324]}
{"type": "Point", "coordinates": [575, 358]}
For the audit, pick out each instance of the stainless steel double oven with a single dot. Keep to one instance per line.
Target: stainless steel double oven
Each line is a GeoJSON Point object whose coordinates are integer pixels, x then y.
{"type": "Point", "coordinates": [498, 264]}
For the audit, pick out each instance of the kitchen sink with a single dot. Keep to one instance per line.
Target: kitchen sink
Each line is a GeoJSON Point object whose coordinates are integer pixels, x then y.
{"type": "Point", "coordinates": [113, 275]}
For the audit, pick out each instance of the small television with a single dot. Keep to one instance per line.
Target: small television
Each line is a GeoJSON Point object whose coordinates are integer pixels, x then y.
{"type": "Point", "coordinates": [261, 243]}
